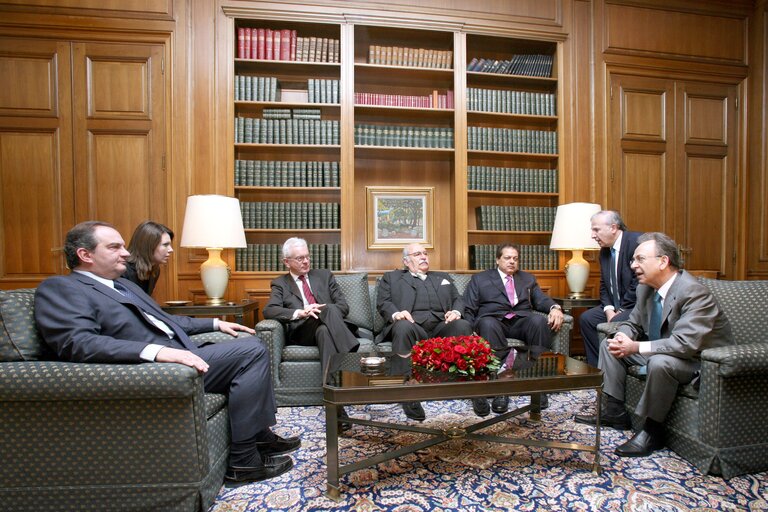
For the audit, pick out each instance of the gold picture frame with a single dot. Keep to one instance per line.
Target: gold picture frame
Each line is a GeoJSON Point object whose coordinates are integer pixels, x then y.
{"type": "Point", "coordinates": [398, 216]}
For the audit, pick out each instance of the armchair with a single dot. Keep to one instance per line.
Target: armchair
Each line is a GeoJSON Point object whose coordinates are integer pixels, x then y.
{"type": "Point", "coordinates": [720, 427]}
{"type": "Point", "coordinates": [99, 436]}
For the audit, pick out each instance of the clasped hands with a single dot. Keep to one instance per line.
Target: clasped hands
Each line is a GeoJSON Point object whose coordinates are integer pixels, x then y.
{"type": "Point", "coordinates": [622, 346]}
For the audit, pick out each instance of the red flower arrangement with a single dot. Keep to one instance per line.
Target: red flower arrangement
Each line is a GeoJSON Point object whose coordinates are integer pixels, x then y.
{"type": "Point", "coordinates": [465, 355]}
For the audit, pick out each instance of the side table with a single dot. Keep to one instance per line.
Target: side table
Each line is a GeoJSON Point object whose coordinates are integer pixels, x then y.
{"type": "Point", "coordinates": [234, 309]}
{"type": "Point", "coordinates": [569, 304]}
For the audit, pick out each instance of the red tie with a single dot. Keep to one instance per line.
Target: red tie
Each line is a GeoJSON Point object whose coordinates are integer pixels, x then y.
{"type": "Point", "coordinates": [307, 292]}
{"type": "Point", "coordinates": [510, 287]}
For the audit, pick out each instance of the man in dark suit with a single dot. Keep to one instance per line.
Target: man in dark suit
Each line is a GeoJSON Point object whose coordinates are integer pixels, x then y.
{"type": "Point", "coordinates": [680, 318]}
{"type": "Point", "coordinates": [94, 316]}
{"type": "Point", "coordinates": [500, 304]}
{"type": "Point", "coordinates": [418, 305]}
{"type": "Point", "coordinates": [617, 280]}
{"type": "Point", "coordinates": [311, 304]}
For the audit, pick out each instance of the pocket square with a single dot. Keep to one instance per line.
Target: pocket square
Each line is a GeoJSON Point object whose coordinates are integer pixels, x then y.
{"type": "Point", "coordinates": [445, 281]}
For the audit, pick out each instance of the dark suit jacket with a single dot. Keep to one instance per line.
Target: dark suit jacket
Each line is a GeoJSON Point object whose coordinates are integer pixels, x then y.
{"type": "Point", "coordinates": [626, 278]}
{"type": "Point", "coordinates": [691, 320]}
{"type": "Point", "coordinates": [86, 321]}
{"type": "Point", "coordinates": [486, 296]}
{"type": "Point", "coordinates": [397, 293]}
{"type": "Point", "coordinates": [286, 297]}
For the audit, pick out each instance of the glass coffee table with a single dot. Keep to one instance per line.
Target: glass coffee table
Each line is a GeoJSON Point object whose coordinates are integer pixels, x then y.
{"type": "Point", "coordinates": [350, 382]}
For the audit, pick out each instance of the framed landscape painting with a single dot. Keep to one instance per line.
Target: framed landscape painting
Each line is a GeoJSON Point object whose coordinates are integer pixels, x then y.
{"type": "Point", "coordinates": [398, 216]}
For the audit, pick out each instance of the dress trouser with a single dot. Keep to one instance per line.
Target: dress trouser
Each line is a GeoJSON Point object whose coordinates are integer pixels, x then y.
{"type": "Point", "coordinates": [665, 374]}
{"type": "Point", "coordinates": [329, 332]}
{"type": "Point", "coordinates": [532, 329]}
{"type": "Point", "coordinates": [406, 334]}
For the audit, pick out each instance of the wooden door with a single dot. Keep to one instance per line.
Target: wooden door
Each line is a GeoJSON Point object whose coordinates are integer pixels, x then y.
{"type": "Point", "coordinates": [35, 159]}
{"type": "Point", "coordinates": [673, 164]}
{"type": "Point", "coordinates": [119, 134]}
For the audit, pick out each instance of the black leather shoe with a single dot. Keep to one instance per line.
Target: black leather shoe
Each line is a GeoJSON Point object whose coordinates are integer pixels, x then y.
{"type": "Point", "coordinates": [500, 404]}
{"type": "Point", "coordinates": [642, 444]}
{"type": "Point", "coordinates": [620, 422]}
{"type": "Point", "coordinates": [273, 466]}
{"type": "Point", "coordinates": [414, 411]}
{"type": "Point", "coordinates": [480, 406]}
{"type": "Point", "coordinates": [544, 401]}
{"type": "Point", "coordinates": [279, 446]}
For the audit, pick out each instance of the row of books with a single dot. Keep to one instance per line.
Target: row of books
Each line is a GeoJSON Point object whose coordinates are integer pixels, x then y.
{"type": "Point", "coordinates": [249, 130]}
{"type": "Point", "coordinates": [410, 57]}
{"type": "Point", "coordinates": [481, 138]}
{"type": "Point", "coordinates": [403, 136]}
{"type": "Point", "coordinates": [322, 90]}
{"type": "Point", "coordinates": [532, 257]}
{"type": "Point", "coordinates": [294, 215]}
{"type": "Point", "coordinates": [256, 88]}
{"type": "Point", "coordinates": [434, 100]}
{"type": "Point", "coordinates": [291, 113]}
{"type": "Point", "coordinates": [511, 102]}
{"type": "Point", "coordinates": [515, 218]}
{"type": "Point", "coordinates": [269, 257]}
{"type": "Point", "coordinates": [284, 44]}
{"type": "Point", "coordinates": [273, 173]}
{"type": "Point", "coordinates": [511, 179]}
{"type": "Point", "coordinates": [524, 65]}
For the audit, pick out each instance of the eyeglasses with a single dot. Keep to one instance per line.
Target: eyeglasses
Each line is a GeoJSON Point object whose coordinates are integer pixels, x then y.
{"type": "Point", "coordinates": [641, 259]}
{"type": "Point", "coordinates": [420, 253]}
{"type": "Point", "coordinates": [299, 259]}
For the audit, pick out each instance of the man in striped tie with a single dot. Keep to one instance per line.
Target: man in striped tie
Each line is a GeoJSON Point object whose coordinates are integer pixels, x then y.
{"type": "Point", "coordinates": [675, 318]}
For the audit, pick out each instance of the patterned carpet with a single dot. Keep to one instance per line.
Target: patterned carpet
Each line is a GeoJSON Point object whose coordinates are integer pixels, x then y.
{"type": "Point", "coordinates": [478, 476]}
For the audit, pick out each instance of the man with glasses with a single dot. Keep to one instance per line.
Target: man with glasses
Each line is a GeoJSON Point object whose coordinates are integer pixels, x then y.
{"type": "Point", "coordinates": [679, 317]}
{"type": "Point", "coordinates": [418, 304]}
{"type": "Point", "coordinates": [311, 305]}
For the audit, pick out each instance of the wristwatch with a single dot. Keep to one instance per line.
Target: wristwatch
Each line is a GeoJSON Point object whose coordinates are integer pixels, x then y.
{"type": "Point", "coordinates": [556, 306]}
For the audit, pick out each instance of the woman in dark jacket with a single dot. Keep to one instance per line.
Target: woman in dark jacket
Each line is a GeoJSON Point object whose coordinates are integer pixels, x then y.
{"type": "Point", "coordinates": [150, 247]}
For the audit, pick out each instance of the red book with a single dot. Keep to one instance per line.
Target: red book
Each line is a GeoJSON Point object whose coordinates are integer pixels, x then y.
{"type": "Point", "coordinates": [268, 43]}
{"type": "Point", "coordinates": [240, 42]}
{"type": "Point", "coordinates": [285, 44]}
{"type": "Point", "coordinates": [260, 44]}
{"type": "Point", "coordinates": [293, 45]}
{"type": "Point", "coordinates": [276, 36]}
{"type": "Point", "coordinates": [247, 45]}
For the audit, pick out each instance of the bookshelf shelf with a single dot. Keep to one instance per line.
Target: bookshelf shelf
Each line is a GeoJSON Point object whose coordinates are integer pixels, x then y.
{"type": "Point", "coordinates": [291, 230]}
{"type": "Point", "coordinates": [501, 193]}
{"type": "Point", "coordinates": [500, 232]}
{"type": "Point", "coordinates": [245, 188]}
{"type": "Point", "coordinates": [508, 154]}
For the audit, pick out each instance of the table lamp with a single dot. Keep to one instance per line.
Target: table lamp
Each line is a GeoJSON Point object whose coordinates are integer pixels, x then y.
{"type": "Point", "coordinates": [573, 232]}
{"type": "Point", "coordinates": [213, 222]}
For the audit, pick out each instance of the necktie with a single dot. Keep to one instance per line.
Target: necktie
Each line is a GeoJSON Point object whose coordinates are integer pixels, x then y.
{"type": "Point", "coordinates": [614, 281]}
{"type": "Point", "coordinates": [125, 292]}
{"type": "Point", "coordinates": [307, 292]}
{"type": "Point", "coordinates": [654, 329]}
{"type": "Point", "coordinates": [510, 288]}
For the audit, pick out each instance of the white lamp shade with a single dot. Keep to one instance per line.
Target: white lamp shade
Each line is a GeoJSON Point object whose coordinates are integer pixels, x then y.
{"type": "Point", "coordinates": [213, 221]}
{"type": "Point", "coordinates": [573, 228]}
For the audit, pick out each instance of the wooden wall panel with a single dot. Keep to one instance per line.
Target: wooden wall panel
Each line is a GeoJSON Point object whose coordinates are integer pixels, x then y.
{"type": "Point", "coordinates": [531, 10]}
{"type": "Point", "coordinates": [668, 33]}
{"type": "Point", "coordinates": [34, 92]}
{"type": "Point", "coordinates": [643, 115]}
{"type": "Point", "coordinates": [643, 190]}
{"type": "Point", "coordinates": [101, 7]}
{"type": "Point", "coordinates": [706, 231]}
{"type": "Point", "coordinates": [31, 204]}
{"type": "Point", "coordinates": [119, 134]}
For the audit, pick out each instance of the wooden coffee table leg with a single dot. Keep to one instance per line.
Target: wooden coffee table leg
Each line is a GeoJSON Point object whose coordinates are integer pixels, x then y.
{"type": "Point", "coordinates": [333, 491]}
{"type": "Point", "coordinates": [596, 466]}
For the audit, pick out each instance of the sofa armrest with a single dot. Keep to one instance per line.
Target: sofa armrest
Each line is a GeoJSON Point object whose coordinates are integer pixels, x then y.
{"type": "Point", "coordinates": [51, 380]}
{"type": "Point", "coordinates": [216, 337]}
{"type": "Point", "coordinates": [272, 333]}
{"type": "Point", "coordinates": [738, 360]}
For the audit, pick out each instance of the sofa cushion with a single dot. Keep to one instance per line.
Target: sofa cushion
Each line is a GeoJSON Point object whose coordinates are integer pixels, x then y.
{"type": "Point", "coordinates": [738, 300]}
{"type": "Point", "coordinates": [19, 339]}
{"type": "Point", "coordinates": [355, 290]}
